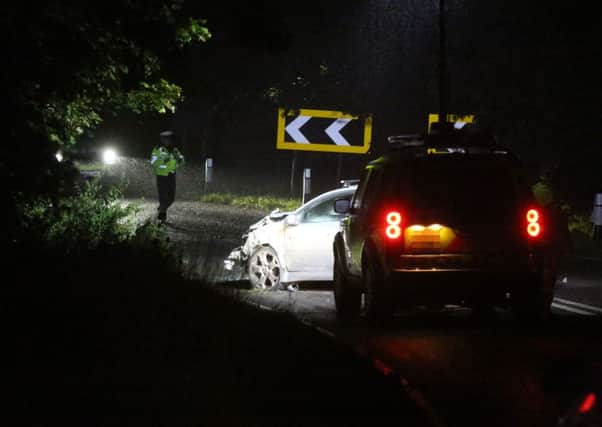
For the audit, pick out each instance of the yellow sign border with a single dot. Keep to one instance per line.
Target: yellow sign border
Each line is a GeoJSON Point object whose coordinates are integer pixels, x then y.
{"type": "Point", "coordinates": [281, 144]}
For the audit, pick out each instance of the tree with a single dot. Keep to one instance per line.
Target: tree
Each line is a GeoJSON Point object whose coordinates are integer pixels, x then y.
{"type": "Point", "coordinates": [69, 64]}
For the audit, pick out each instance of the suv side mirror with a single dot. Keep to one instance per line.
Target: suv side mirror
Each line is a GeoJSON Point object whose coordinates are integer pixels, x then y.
{"type": "Point", "coordinates": [342, 206]}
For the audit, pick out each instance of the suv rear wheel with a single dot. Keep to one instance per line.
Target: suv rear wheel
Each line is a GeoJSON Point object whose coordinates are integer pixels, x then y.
{"type": "Point", "coordinates": [347, 298]}
{"type": "Point", "coordinates": [534, 302]}
{"type": "Point", "coordinates": [377, 299]}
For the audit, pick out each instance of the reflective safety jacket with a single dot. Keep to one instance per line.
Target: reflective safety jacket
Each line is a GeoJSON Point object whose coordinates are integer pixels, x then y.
{"type": "Point", "coordinates": [165, 161]}
{"type": "Point", "coordinates": [543, 193]}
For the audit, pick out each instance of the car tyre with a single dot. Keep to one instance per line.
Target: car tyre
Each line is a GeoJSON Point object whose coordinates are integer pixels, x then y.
{"type": "Point", "coordinates": [347, 298]}
{"type": "Point", "coordinates": [264, 269]}
{"type": "Point", "coordinates": [377, 298]}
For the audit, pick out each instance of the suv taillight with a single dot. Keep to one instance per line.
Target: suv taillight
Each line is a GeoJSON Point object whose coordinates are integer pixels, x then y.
{"type": "Point", "coordinates": [394, 220]}
{"type": "Point", "coordinates": [533, 223]}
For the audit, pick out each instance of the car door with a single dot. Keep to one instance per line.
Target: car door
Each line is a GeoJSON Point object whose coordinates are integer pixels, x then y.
{"type": "Point", "coordinates": [308, 244]}
{"type": "Point", "coordinates": [357, 226]}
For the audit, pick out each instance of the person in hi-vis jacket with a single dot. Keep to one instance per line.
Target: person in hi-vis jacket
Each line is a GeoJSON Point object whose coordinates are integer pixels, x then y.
{"type": "Point", "coordinates": [165, 160]}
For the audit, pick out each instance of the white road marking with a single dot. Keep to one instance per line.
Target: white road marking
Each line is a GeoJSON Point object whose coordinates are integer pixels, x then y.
{"type": "Point", "coordinates": [579, 305]}
{"type": "Point", "coordinates": [571, 309]}
{"type": "Point", "coordinates": [320, 329]}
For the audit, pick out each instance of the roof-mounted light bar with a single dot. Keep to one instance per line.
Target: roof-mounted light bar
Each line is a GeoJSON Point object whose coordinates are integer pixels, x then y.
{"type": "Point", "coordinates": [454, 143]}
{"type": "Point", "coordinates": [445, 150]}
{"type": "Point", "coordinates": [413, 140]}
{"type": "Point", "coordinates": [349, 182]}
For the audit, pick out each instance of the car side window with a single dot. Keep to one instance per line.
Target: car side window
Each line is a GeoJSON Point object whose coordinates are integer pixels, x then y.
{"type": "Point", "coordinates": [373, 190]}
{"type": "Point", "coordinates": [322, 212]}
{"type": "Point", "coordinates": [361, 190]}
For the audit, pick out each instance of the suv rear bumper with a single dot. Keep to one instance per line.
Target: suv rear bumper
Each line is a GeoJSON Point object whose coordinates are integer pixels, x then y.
{"type": "Point", "coordinates": [460, 262]}
{"type": "Point", "coordinates": [462, 279]}
{"type": "Point", "coordinates": [459, 286]}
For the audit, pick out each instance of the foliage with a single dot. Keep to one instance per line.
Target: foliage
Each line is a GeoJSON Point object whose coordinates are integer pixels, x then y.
{"type": "Point", "coordinates": [151, 237]}
{"type": "Point", "coordinates": [302, 89]}
{"type": "Point", "coordinates": [194, 31]}
{"type": "Point", "coordinates": [71, 64]}
{"type": "Point", "coordinates": [580, 223]}
{"type": "Point", "coordinates": [258, 202]}
{"type": "Point", "coordinates": [85, 221]}
{"type": "Point", "coordinates": [77, 62]}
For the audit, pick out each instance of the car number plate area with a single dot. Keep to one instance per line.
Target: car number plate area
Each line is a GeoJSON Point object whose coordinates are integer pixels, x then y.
{"type": "Point", "coordinates": [435, 262]}
{"type": "Point", "coordinates": [423, 240]}
{"type": "Point", "coordinates": [434, 238]}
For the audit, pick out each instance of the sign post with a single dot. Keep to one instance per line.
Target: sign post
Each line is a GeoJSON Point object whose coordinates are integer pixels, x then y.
{"type": "Point", "coordinates": [292, 185]}
{"type": "Point", "coordinates": [597, 216]}
{"type": "Point", "coordinates": [306, 185]}
{"type": "Point", "coordinates": [339, 167]}
{"type": "Point", "coordinates": [208, 174]}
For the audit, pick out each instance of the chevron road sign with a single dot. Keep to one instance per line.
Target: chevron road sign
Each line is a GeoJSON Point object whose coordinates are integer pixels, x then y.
{"type": "Point", "coordinates": [323, 130]}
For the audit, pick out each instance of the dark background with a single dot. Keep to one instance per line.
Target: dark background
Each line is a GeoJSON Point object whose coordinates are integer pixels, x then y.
{"type": "Point", "coordinates": [528, 70]}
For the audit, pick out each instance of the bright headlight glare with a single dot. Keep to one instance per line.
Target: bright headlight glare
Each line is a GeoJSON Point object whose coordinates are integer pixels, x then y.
{"type": "Point", "coordinates": [109, 156]}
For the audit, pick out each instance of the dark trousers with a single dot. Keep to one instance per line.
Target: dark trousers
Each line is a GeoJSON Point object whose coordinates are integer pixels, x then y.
{"type": "Point", "coordinates": [166, 186]}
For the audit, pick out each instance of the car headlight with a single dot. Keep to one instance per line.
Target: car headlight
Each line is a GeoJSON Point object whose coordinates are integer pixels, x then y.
{"type": "Point", "coordinates": [109, 156]}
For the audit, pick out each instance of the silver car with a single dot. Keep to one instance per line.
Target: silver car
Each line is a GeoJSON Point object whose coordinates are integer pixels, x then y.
{"type": "Point", "coordinates": [285, 248]}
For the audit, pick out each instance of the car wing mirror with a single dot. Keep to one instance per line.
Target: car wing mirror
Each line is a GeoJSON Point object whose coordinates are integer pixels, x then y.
{"type": "Point", "coordinates": [342, 206]}
{"type": "Point", "coordinates": [291, 220]}
{"type": "Point", "coordinates": [277, 214]}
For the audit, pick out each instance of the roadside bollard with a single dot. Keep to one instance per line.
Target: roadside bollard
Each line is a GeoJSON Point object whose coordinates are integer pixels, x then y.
{"type": "Point", "coordinates": [208, 174]}
{"type": "Point", "coordinates": [306, 184]}
{"type": "Point", "coordinates": [597, 216]}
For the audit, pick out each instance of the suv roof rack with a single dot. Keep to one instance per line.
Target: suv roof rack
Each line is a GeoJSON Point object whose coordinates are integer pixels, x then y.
{"type": "Point", "coordinates": [456, 141]}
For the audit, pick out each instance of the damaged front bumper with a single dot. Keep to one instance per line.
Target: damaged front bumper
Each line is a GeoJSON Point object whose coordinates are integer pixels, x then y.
{"type": "Point", "coordinates": [236, 261]}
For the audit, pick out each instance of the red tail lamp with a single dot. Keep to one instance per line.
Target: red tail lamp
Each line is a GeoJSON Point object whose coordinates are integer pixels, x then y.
{"type": "Point", "coordinates": [588, 403]}
{"type": "Point", "coordinates": [532, 216]}
{"type": "Point", "coordinates": [393, 230]}
{"type": "Point", "coordinates": [533, 225]}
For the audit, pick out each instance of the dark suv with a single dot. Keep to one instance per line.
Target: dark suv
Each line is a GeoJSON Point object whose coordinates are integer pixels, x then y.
{"type": "Point", "coordinates": [443, 219]}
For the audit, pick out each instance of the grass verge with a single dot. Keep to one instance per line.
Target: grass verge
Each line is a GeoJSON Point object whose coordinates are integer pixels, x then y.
{"type": "Point", "coordinates": [257, 202]}
{"type": "Point", "coordinates": [582, 236]}
{"type": "Point", "coordinates": [584, 245]}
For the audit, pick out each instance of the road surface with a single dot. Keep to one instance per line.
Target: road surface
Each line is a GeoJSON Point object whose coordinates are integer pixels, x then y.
{"type": "Point", "coordinates": [495, 372]}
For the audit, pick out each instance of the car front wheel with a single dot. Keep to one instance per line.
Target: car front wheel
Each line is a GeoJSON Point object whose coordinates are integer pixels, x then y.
{"type": "Point", "coordinates": [264, 269]}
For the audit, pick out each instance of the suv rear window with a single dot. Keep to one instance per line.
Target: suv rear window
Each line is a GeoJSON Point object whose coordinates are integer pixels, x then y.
{"type": "Point", "coordinates": [483, 186]}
